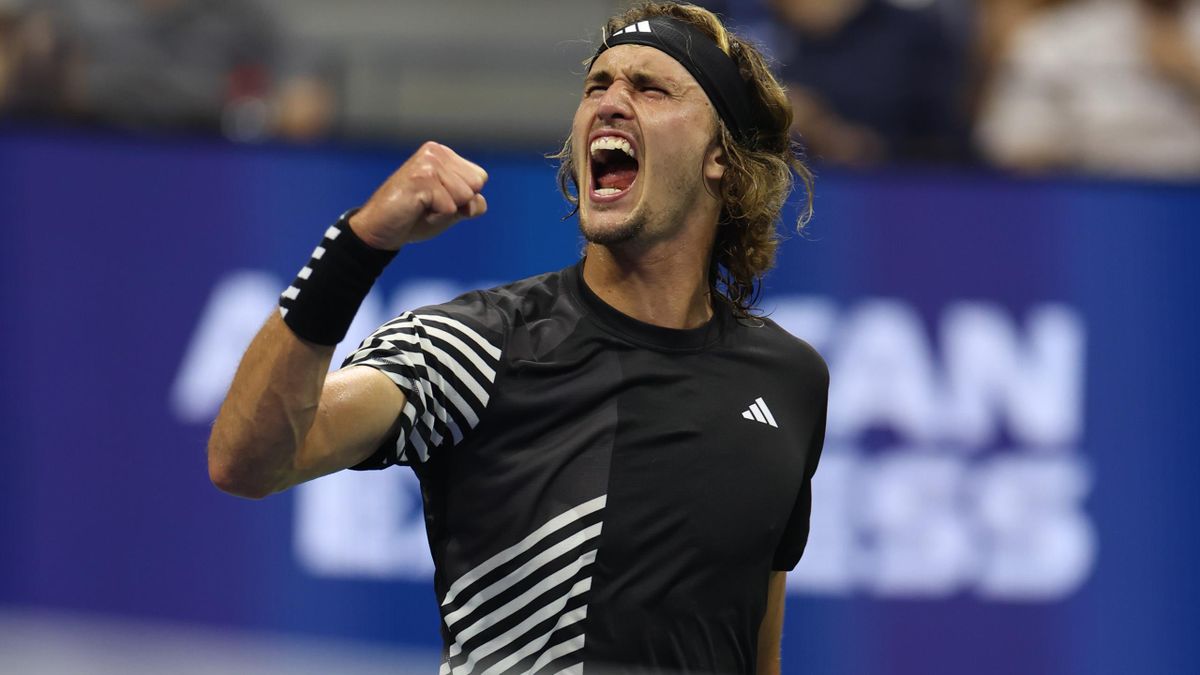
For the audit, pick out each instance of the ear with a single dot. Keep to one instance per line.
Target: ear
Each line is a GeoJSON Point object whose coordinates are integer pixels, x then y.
{"type": "Point", "coordinates": [715, 162]}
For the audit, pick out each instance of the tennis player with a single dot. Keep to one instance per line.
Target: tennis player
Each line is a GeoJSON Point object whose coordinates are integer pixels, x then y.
{"type": "Point", "coordinates": [616, 457]}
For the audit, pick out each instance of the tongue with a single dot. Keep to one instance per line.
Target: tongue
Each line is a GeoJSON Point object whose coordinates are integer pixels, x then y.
{"type": "Point", "coordinates": [620, 179]}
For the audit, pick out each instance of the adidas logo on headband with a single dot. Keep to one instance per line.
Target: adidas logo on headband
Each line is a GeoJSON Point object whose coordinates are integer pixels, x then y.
{"type": "Point", "coordinates": [639, 27]}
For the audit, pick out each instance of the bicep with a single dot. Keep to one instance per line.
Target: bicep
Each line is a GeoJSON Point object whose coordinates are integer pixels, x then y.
{"type": "Point", "coordinates": [359, 409]}
{"type": "Point", "coordinates": [770, 632]}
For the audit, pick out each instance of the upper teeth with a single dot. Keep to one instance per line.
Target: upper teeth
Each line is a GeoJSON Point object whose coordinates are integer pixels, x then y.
{"type": "Point", "coordinates": [613, 143]}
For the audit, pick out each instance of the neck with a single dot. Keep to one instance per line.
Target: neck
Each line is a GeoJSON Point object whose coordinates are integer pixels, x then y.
{"type": "Point", "coordinates": [663, 285]}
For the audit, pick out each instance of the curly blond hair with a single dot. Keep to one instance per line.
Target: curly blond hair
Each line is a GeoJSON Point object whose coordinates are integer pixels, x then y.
{"type": "Point", "coordinates": [759, 175]}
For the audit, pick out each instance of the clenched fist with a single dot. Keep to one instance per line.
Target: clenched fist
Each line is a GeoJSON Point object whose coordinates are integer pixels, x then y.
{"type": "Point", "coordinates": [430, 192]}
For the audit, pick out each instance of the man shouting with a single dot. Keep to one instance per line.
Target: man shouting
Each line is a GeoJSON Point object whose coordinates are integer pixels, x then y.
{"type": "Point", "coordinates": [616, 458]}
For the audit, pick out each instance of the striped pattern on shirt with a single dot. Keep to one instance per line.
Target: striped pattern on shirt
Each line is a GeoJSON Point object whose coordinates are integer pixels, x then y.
{"type": "Point", "coordinates": [445, 369]}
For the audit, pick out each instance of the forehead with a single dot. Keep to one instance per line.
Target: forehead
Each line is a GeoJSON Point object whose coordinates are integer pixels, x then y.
{"type": "Point", "coordinates": [629, 60]}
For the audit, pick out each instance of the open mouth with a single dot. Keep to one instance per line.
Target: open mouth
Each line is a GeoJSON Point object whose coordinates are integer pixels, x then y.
{"type": "Point", "coordinates": [614, 167]}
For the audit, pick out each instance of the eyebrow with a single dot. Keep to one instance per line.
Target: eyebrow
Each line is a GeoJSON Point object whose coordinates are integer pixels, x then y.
{"type": "Point", "coordinates": [638, 79]}
{"type": "Point", "coordinates": [598, 77]}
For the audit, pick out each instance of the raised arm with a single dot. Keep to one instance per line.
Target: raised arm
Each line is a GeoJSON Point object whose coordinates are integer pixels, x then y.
{"type": "Point", "coordinates": [283, 421]}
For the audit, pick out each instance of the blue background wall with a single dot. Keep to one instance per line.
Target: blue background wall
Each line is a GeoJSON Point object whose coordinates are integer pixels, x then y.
{"type": "Point", "coordinates": [115, 248]}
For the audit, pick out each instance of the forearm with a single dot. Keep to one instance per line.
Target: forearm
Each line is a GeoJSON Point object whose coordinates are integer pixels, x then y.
{"type": "Point", "coordinates": [275, 428]}
{"type": "Point", "coordinates": [267, 413]}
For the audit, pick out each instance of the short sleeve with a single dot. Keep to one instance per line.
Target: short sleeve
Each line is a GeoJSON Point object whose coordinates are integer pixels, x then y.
{"type": "Point", "coordinates": [444, 358]}
{"type": "Point", "coordinates": [795, 535]}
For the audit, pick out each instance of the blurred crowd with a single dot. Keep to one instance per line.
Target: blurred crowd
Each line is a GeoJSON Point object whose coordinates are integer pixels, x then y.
{"type": "Point", "coordinates": [1108, 87]}
{"type": "Point", "coordinates": [162, 65]}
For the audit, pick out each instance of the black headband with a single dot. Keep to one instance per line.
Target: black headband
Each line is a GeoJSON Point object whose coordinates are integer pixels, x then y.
{"type": "Point", "coordinates": [716, 72]}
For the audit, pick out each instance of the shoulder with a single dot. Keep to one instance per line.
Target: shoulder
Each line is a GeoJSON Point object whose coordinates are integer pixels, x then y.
{"type": "Point", "coordinates": [488, 318]}
{"type": "Point", "coordinates": [496, 308]}
{"type": "Point", "coordinates": [528, 295]}
{"type": "Point", "coordinates": [784, 350]}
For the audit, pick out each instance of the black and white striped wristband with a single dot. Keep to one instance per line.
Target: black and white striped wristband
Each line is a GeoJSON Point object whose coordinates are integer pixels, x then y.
{"type": "Point", "coordinates": [322, 301]}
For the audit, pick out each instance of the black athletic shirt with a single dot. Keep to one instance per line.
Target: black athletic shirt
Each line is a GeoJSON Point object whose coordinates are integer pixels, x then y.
{"type": "Point", "coordinates": [599, 491]}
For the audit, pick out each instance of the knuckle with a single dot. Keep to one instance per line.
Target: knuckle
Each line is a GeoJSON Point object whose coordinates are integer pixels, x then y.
{"type": "Point", "coordinates": [425, 171]}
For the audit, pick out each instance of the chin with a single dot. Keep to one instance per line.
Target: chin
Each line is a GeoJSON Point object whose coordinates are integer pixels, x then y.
{"type": "Point", "coordinates": [611, 233]}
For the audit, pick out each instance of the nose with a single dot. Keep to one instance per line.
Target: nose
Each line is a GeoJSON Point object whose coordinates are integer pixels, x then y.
{"type": "Point", "coordinates": [614, 104]}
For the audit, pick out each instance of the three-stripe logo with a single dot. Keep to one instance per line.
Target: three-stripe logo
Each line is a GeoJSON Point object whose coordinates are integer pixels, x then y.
{"type": "Point", "coordinates": [639, 27]}
{"type": "Point", "coordinates": [759, 412]}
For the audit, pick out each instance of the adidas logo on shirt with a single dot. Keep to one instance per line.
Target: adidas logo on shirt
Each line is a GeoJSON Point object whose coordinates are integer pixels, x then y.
{"type": "Point", "coordinates": [759, 412]}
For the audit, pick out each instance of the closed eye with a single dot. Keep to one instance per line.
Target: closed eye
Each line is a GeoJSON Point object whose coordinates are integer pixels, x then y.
{"type": "Point", "coordinates": [646, 82]}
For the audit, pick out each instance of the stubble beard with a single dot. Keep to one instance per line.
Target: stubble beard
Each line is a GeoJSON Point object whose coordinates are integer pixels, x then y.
{"type": "Point", "coordinates": [623, 233]}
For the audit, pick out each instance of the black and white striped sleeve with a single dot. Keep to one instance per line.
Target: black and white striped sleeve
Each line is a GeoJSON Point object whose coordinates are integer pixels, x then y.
{"type": "Point", "coordinates": [444, 358]}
